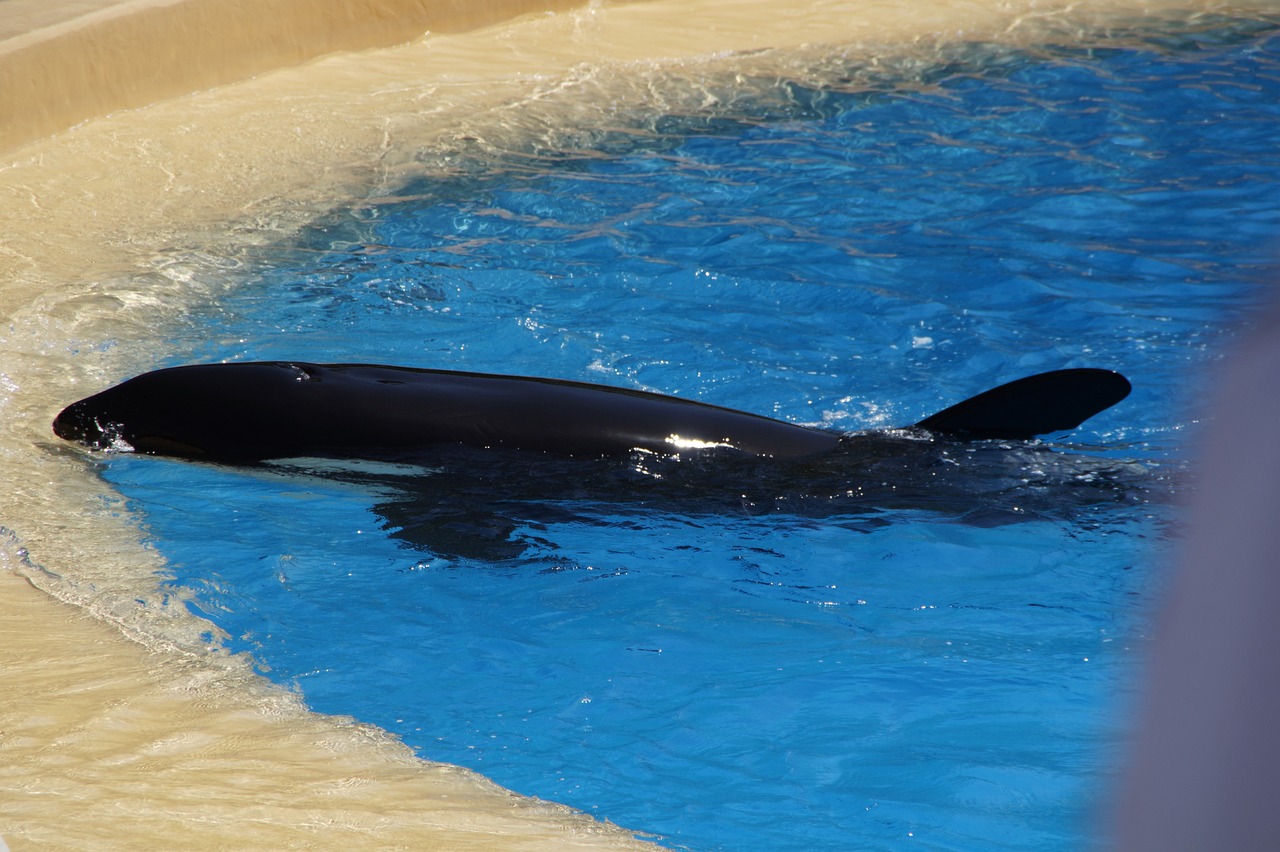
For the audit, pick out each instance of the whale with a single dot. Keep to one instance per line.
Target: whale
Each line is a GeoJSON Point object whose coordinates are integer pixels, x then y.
{"type": "Point", "coordinates": [472, 465]}
{"type": "Point", "coordinates": [248, 412]}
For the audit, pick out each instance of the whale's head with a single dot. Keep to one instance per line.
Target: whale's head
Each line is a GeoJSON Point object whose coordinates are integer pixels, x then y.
{"type": "Point", "coordinates": [91, 423]}
{"type": "Point", "coordinates": [158, 413]}
{"type": "Point", "coordinates": [217, 412]}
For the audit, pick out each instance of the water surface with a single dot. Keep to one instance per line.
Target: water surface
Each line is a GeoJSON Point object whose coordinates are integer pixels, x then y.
{"type": "Point", "coordinates": [848, 255]}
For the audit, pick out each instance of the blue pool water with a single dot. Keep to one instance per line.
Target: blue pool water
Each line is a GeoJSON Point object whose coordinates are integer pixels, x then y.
{"type": "Point", "coordinates": [954, 676]}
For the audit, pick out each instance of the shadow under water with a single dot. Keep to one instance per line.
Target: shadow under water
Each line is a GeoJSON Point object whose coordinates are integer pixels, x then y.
{"type": "Point", "coordinates": [489, 504]}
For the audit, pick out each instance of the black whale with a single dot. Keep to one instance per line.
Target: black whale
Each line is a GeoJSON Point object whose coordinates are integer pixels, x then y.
{"type": "Point", "coordinates": [250, 412]}
{"type": "Point", "coordinates": [506, 456]}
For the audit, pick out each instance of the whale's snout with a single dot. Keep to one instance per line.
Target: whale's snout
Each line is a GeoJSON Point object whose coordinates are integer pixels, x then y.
{"type": "Point", "coordinates": [70, 424]}
{"type": "Point", "coordinates": [79, 422]}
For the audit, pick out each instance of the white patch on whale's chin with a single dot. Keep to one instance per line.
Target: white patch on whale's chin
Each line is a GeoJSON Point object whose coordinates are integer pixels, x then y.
{"type": "Point", "coordinates": [319, 465]}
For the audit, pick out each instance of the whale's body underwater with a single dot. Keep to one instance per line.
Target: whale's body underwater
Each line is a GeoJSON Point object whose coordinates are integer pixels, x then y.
{"type": "Point", "coordinates": [494, 451]}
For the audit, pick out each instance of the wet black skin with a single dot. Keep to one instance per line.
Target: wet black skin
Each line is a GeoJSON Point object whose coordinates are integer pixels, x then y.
{"type": "Point", "coordinates": [500, 452]}
{"type": "Point", "coordinates": [255, 411]}
{"type": "Point", "coordinates": [249, 412]}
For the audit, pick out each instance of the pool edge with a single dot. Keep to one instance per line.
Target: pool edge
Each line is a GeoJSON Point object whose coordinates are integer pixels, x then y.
{"type": "Point", "coordinates": [131, 53]}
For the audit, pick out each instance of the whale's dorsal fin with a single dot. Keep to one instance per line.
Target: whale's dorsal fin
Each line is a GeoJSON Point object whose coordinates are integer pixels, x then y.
{"type": "Point", "coordinates": [1036, 405]}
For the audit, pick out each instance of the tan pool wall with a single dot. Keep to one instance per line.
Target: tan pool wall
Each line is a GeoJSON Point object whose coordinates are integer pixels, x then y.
{"type": "Point", "coordinates": [128, 54]}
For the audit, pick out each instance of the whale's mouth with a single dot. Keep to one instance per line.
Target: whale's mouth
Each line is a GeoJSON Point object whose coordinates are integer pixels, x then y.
{"type": "Point", "coordinates": [75, 423]}
{"type": "Point", "coordinates": [79, 423]}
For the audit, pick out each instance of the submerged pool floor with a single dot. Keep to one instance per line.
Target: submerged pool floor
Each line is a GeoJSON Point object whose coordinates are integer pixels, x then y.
{"type": "Point", "coordinates": [854, 256]}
